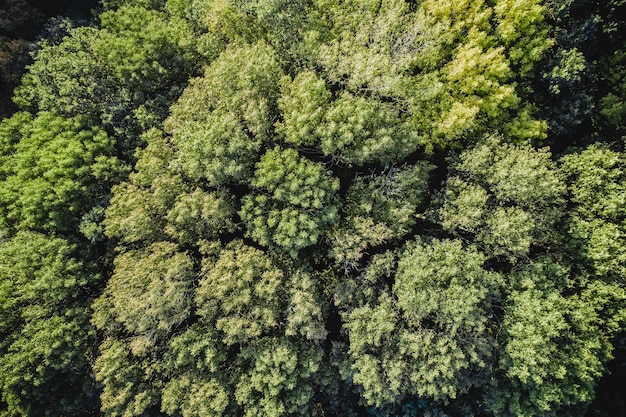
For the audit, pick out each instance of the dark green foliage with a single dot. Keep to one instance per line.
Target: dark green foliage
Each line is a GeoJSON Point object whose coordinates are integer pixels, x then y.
{"type": "Point", "coordinates": [123, 75]}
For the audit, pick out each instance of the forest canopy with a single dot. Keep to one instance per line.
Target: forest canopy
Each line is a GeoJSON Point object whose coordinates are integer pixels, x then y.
{"type": "Point", "coordinates": [317, 208]}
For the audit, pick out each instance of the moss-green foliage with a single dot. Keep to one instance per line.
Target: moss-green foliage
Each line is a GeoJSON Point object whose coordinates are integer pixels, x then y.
{"type": "Point", "coordinates": [353, 129]}
{"type": "Point", "coordinates": [253, 348]}
{"type": "Point", "coordinates": [443, 62]}
{"type": "Point", "coordinates": [335, 208]}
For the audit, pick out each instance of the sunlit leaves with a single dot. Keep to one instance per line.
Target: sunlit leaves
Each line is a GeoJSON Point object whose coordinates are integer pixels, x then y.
{"type": "Point", "coordinates": [430, 336]}
{"type": "Point", "coordinates": [598, 185]}
{"type": "Point", "coordinates": [278, 378]}
{"type": "Point", "coordinates": [553, 350]}
{"type": "Point", "coordinates": [55, 170]}
{"type": "Point", "coordinates": [508, 196]}
{"type": "Point", "coordinates": [129, 384]}
{"type": "Point", "coordinates": [148, 295]}
{"type": "Point", "coordinates": [294, 203]}
{"type": "Point", "coordinates": [303, 104]}
{"type": "Point", "coordinates": [242, 293]}
{"type": "Point", "coordinates": [156, 202]}
{"type": "Point", "coordinates": [222, 119]}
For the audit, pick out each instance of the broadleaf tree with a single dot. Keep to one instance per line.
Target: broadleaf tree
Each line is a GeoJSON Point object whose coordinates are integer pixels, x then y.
{"type": "Point", "coordinates": [315, 208]}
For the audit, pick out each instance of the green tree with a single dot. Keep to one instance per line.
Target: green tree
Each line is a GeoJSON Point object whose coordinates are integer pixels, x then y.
{"type": "Point", "coordinates": [124, 74]}
{"type": "Point", "coordinates": [294, 201]}
{"type": "Point", "coordinates": [431, 334]}
{"type": "Point", "coordinates": [156, 202]}
{"type": "Point", "coordinates": [54, 171]}
{"type": "Point", "coordinates": [148, 295]}
{"type": "Point", "coordinates": [508, 197]}
{"type": "Point", "coordinates": [46, 339]}
{"type": "Point", "coordinates": [278, 378]}
{"type": "Point", "coordinates": [343, 212]}
{"type": "Point", "coordinates": [598, 186]}
{"type": "Point", "coordinates": [554, 347]}
{"type": "Point", "coordinates": [378, 208]}
{"type": "Point", "coordinates": [222, 120]}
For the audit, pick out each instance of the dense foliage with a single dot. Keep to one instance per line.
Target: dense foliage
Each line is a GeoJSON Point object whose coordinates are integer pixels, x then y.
{"type": "Point", "coordinates": [316, 208]}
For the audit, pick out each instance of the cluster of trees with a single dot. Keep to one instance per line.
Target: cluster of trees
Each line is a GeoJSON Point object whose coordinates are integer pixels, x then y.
{"type": "Point", "coordinates": [316, 208]}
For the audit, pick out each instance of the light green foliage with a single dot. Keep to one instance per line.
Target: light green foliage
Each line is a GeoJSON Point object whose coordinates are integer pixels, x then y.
{"type": "Point", "coordinates": [521, 28]}
{"type": "Point", "coordinates": [484, 94]}
{"type": "Point", "coordinates": [247, 297]}
{"type": "Point", "coordinates": [598, 186]}
{"type": "Point", "coordinates": [379, 208]}
{"type": "Point", "coordinates": [251, 354]}
{"type": "Point", "coordinates": [156, 203]}
{"type": "Point", "coordinates": [442, 62]}
{"type": "Point", "coordinates": [281, 22]}
{"type": "Point", "coordinates": [200, 386]}
{"type": "Point", "coordinates": [45, 336]}
{"type": "Point", "coordinates": [194, 397]}
{"type": "Point", "coordinates": [553, 346]}
{"type": "Point", "coordinates": [305, 315]}
{"type": "Point", "coordinates": [54, 171]}
{"type": "Point", "coordinates": [509, 197]}
{"type": "Point", "coordinates": [200, 215]}
{"type": "Point", "coordinates": [303, 104]}
{"type": "Point", "coordinates": [139, 207]}
{"type": "Point", "coordinates": [130, 384]}
{"type": "Point", "coordinates": [294, 201]}
{"type": "Point", "coordinates": [148, 295]}
{"type": "Point", "coordinates": [430, 336]}
{"type": "Point", "coordinates": [357, 130]}
{"type": "Point", "coordinates": [370, 45]}
{"type": "Point", "coordinates": [353, 129]}
{"type": "Point", "coordinates": [278, 378]}
{"type": "Point", "coordinates": [241, 292]}
{"type": "Point", "coordinates": [223, 118]}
